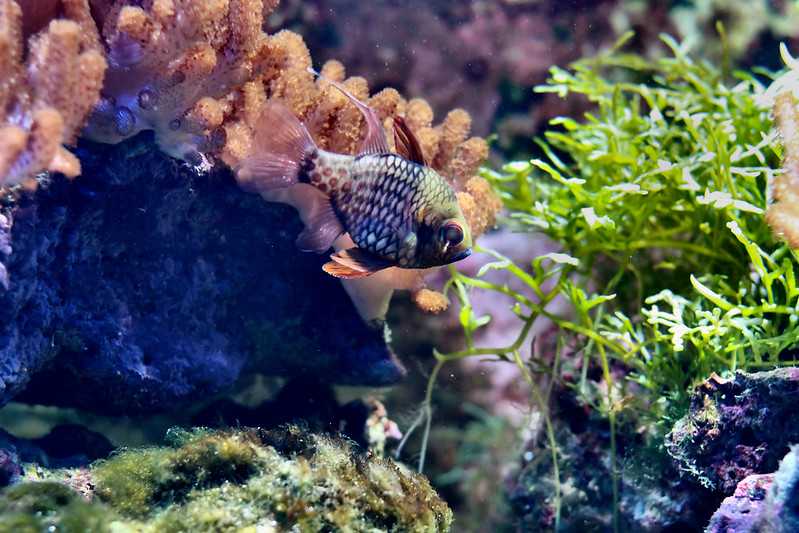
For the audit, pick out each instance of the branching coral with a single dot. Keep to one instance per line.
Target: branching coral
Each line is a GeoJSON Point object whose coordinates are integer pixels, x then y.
{"type": "Point", "coordinates": [173, 68]}
{"type": "Point", "coordinates": [47, 90]}
{"type": "Point", "coordinates": [783, 213]}
{"type": "Point", "coordinates": [195, 73]}
{"type": "Point", "coordinates": [198, 74]}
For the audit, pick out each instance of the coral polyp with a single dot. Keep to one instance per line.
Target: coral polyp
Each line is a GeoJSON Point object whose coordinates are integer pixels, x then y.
{"type": "Point", "coordinates": [47, 87]}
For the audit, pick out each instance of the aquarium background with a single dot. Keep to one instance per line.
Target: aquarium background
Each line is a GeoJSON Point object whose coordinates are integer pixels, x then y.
{"type": "Point", "coordinates": [619, 353]}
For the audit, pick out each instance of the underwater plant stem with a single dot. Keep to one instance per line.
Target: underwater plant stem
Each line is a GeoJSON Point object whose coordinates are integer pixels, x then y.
{"type": "Point", "coordinates": [661, 243]}
{"type": "Point", "coordinates": [427, 410]}
{"type": "Point", "coordinates": [612, 423]}
{"type": "Point", "coordinates": [499, 352]}
{"type": "Point", "coordinates": [543, 407]}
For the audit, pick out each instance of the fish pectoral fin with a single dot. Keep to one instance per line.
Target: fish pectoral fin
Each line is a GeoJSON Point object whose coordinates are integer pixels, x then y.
{"type": "Point", "coordinates": [322, 228]}
{"type": "Point", "coordinates": [354, 263]}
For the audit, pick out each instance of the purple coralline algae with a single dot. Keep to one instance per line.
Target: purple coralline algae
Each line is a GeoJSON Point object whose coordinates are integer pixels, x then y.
{"type": "Point", "coordinates": [142, 286]}
{"type": "Point", "coordinates": [737, 427]}
{"type": "Point", "coordinates": [763, 503]}
{"type": "Point", "coordinates": [741, 512]}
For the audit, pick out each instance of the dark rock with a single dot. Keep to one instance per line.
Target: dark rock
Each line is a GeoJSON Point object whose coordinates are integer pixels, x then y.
{"type": "Point", "coordinates": [741, 512]}
{"type": "Point", "coordinates": [763, 503]}
{"type": "Point", "coordinates": [782, 504]}
{"type": "Point", "coordinates": [652, 496]}
{"type": "Point", "coordinates": [737, 427]}
{"type": "Point", "coordinates": [74, 445]}
{"type": "Point", "coordinates": [142, 286]}
{"type": "Point", "coordinates": [10, 469]}
{"type": "Point", "coordinates": [66, 446]}
{"type": "Point", "coordinates": [309, 403]}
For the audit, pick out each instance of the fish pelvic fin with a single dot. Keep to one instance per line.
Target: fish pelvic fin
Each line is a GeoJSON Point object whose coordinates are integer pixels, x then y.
{"type": "Point", "coordinates": [322, 226]}
{"type": "Point", "coordinates": [337, 270]}
{"type": "Point", "coordinates": [354, 263]}
{"type": "Point", "coordinates": [281, 146]}
{"type": "Point", "coordinates": [374, 142]}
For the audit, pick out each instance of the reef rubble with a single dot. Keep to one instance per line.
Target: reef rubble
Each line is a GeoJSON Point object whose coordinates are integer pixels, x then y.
{"type": "Point", "coordinates": [736, 427]}
{"type": "Point", "coordinates": [762, 502]}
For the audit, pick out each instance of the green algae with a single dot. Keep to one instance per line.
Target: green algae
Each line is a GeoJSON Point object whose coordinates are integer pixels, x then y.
{"type": "Point", "coordinates": [666, 266]}
{"type": "Point", "coordinates": [33, 507]}
{"type": "Point", "coordinates": [657, 197]}
{"type": "Point", "coordinates": [247, 479]}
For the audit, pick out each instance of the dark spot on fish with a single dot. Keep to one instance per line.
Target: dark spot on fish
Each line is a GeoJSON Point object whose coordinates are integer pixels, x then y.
{"type": "Point", "coordinates": [327, 172]}
{"type": "Point", "coordinates": [322, 187]}
{"type": "Point", "coordinates": [193, 158]}
{"type": "Point", "coordinates": [306, 168]}
{"type": "Point", "coordinates": [315, 177]}
{"type": "Point", "coordinates": [346, 188]}
{"type": "Point", "coordinates": [333, 182]}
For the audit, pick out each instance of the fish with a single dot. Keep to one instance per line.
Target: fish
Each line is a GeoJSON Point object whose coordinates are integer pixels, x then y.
{"type": "Point", "coordinates": [397, 210]}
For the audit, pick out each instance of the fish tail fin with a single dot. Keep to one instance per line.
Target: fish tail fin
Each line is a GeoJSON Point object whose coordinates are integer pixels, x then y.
{"type": "Point", "coordinates": [281, 147]}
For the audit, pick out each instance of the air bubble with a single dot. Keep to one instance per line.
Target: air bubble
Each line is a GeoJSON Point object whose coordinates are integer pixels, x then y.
{"type": "Point", "coordinates": [148, 99]}
{"type": "Point", "coordinates": [124, 120]}
{"type": "Point", "coordinates": [174, 125]}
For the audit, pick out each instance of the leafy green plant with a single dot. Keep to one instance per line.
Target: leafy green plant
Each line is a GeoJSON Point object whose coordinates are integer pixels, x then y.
{"type": "Point", "coordinates": [660, 194]}
{"type": "Point", "coordinates": [656, 198]}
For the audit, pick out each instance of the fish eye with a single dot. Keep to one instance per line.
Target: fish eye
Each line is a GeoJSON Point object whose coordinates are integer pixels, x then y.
{"type": "Point", "coordinates": [452, 233]}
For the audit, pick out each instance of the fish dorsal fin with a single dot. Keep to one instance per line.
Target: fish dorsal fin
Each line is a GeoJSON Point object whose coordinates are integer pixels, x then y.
{"type": "Point", "coordinates": [354, 263]}
{"type": "Point", "coordinates": [407, 143]}
{"type": "Point", "coordinates": [375, 140]}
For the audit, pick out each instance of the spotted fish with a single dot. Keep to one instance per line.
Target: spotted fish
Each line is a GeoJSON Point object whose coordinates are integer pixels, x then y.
{"type": "Point", "coordinates": [398, 211]}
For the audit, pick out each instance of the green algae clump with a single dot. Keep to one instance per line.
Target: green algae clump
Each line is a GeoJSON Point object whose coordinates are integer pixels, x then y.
{"type": "Point", "coordinates": [253, 479]}
{"type": "Point", "coordinates": [32, 507]}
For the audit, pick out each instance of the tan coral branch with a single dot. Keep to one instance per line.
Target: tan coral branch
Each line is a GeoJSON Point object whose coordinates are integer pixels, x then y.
{"type": "Point", "coordinates": [783, 215]}
{"type": "Point", "coordinates": [45, 99]}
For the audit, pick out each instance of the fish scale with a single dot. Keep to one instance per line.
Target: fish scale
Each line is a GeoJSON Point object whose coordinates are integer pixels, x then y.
{"type": "Point", "coordinates": [377, 196]}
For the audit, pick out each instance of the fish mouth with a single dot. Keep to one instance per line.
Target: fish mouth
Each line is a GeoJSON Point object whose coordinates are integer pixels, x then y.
{"type": "Point", "coordinates": [462, 255]}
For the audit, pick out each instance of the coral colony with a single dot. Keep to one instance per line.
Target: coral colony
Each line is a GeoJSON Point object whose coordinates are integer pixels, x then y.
{"type": "Point", "coordinates": [197, 74]}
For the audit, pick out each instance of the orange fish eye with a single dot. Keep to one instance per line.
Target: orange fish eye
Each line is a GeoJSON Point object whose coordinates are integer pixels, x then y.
{"type": "Point", "coordinates": [452, 233]}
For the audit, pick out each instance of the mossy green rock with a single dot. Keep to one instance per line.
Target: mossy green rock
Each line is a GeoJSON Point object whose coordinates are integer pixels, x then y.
{"type": "Point", "coordinates": [48, 506]}
{"type": "Point", "coordinates": [243, 480]}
